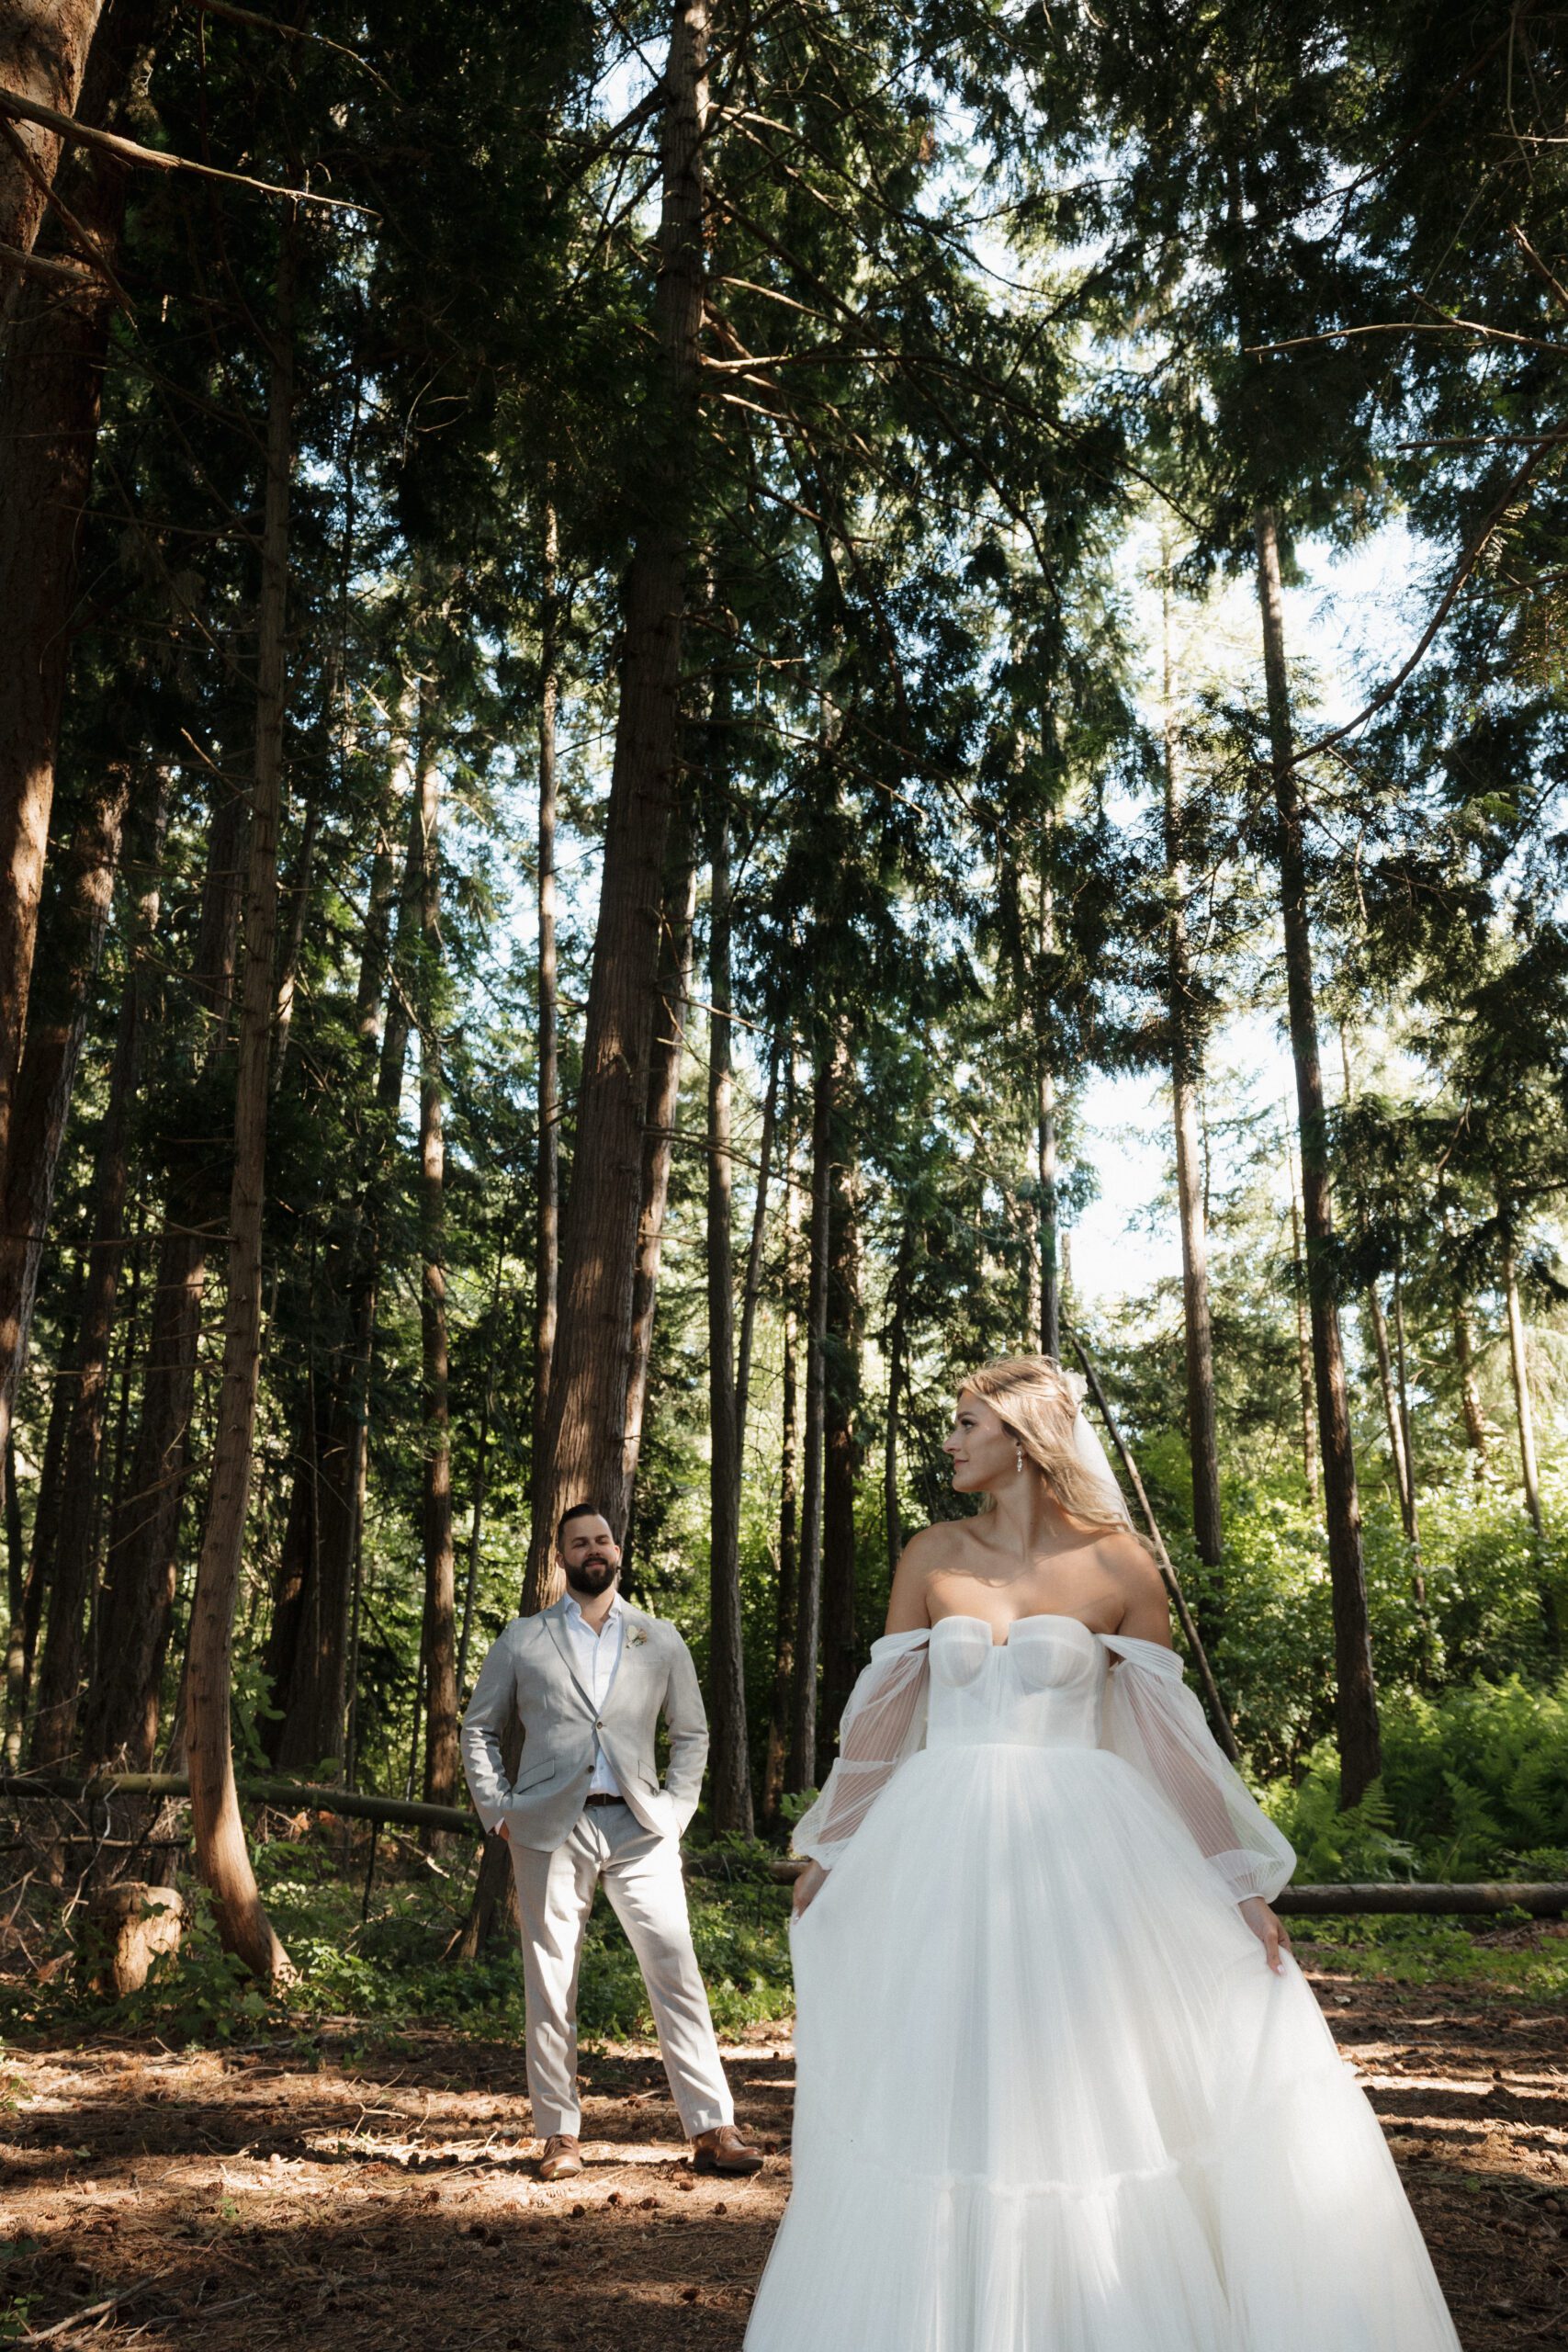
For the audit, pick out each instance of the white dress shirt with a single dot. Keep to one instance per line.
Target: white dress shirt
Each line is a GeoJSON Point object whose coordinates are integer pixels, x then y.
{"type": "Point", "coordinates": [596, 1656]}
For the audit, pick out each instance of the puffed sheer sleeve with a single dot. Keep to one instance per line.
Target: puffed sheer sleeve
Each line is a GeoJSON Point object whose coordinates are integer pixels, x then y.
{"type": "Point", "coordinates": [1156, 1724]}
{"type": "Point", "coordinates": [884, 1723]}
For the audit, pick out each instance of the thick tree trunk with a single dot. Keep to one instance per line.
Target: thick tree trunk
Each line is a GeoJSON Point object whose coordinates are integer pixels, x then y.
{"type": "Point", "coordinates": [1185, 1078]}
{"type": "Point", "coordinates": [788, 1599]}
{"type": "Point", "coordinates": [898, 1342]}
{"type": "Point", "coordinates": [442, 1765]}
{"type": "Point", "coordinates": [221, 1854]}
{"type": "Point", "coordinates": [43, 57]}
{"type": "Point", "coordinates": [50, 396]}
{"type": "Point", "coordinates": [136, 1603]}
{"type": "Point", "coordinates": [1356, 1707]}
{"type": "Point", "coordinates": [74, 934]}
{"type": "Point", "coordinates": [808, 1613]}
{"type": "Point", "coordinates": [587, 1449]}
{"type": "Point", "coordinates": [76, 1537]}
{"type": "Point", "coordinates": [546, 1240]}
{"type": "Point", "coordinates": [663, 1100]}
{"type": "Point", "coordinates": [729, 1769]}
{"type": "Point", "coordinates": [842, 1446]}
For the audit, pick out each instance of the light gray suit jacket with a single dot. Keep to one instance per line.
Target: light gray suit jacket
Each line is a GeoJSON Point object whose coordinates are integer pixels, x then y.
{"type": "Point", "coordinates": [529, 1674]}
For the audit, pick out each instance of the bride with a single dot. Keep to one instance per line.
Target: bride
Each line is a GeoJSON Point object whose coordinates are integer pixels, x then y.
{"type": "Point", "coordinates": [1060, 2087]}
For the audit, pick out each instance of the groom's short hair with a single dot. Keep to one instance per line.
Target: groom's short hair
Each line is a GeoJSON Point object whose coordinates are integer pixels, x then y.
{"type": "Point", "coordinates": [577, 1511]}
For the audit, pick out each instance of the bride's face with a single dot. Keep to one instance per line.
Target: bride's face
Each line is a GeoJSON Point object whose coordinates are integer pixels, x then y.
{"type": "Point", "coordinates": [982, 1450]}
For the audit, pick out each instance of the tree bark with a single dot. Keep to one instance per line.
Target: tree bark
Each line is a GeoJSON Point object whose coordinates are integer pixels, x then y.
{"type": "Point", "coordinates": [729, 1769]}
{"type": "Point", "coordinates": [587, 1449]}
{"type": "Point", "coordinates": [43, 57]}
{"type": "Point", "coordinates": [809, 1614]}
{"type": "Point", "coordinates": [547, 1243]}
{"type": "Point", "coordinates": [76, 1539]}
{"type": "Point", "coordinates": [1518, 1365]}
{"type": "Point", "coordinates": [73, 936]}
{"type": "Point", "coordinates": [136, 1603]}
{"type": "Point", "coordinates": [1377, 1323]}
{"type": "Point", "coordinates": [1356, 1707]}
{"type": "Point", "coordinates": [1303, 1342]}
{"type": "Point", "coordinates": [841, 1442]}
{"type": "Point", "coordinates": [1046, 1155]}
{"type": "Point", "coordinates": [222, 1856]}
{"type": "Point", "coordinates": [1186, 1078]}
{"type": "Point", "coordinates": [1469, 1394]}
{"type": "Point", "coordinates": [442, 1764]}
{"type": "Point", "coordinates": [787, 1599]}
{"type": "Point", "coordinates": [50, 399]}
{"type": "Point", "coordinates": [663, 1100]}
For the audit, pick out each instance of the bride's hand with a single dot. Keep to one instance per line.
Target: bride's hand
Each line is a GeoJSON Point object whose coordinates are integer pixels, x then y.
{"type": "Point", "coordinates": [1267, 1928]}
{"type": "Point", "coordinates": [807, 1887]}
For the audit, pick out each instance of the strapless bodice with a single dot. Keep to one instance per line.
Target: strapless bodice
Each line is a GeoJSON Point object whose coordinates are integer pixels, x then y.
{"type": "Point", "coordinates": [1041, 1688]}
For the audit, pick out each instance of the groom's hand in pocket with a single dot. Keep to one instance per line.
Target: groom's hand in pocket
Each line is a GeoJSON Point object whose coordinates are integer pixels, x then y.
{"type": "Point", "coordinates": [503, 1832]}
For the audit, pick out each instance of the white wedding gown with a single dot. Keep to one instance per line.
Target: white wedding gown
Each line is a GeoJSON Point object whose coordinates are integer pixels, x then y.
{"type": "Point", "coordinates": [1049, 2097]}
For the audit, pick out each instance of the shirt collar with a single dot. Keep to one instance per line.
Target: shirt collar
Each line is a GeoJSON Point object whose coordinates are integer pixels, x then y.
{"type": "Point", "coordinates": [618, 1609]}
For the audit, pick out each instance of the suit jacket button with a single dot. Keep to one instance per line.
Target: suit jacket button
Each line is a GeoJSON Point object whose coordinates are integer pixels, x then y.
{"type": "Point", "coordinates": [598, 1726]}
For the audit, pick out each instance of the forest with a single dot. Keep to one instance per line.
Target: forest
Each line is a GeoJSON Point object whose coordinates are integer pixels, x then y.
{"type": "Point", "coordinates": [654, 656]}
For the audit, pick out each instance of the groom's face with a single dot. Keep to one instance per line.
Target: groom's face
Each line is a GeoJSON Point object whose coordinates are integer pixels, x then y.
{"type": "Point", "coordinates": [590, 1555]}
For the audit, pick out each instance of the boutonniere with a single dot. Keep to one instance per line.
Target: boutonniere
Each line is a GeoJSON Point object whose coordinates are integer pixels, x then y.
{"type": "Point", "coordinates": [636, 1638]}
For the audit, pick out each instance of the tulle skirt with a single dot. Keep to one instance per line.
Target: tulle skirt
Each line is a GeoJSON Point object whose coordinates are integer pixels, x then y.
{"type": "Point", "coordinates": [1049, 2097]}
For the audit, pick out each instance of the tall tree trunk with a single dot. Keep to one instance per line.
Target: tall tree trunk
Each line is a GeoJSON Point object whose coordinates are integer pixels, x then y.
{"type": "Point", "coordinates": [729, 1784]}
{"type": "Point", "coordinates": [1518, 1365]}
{"type": "Point", "coordinates": [1046, 1173]}
{"type": "Point", "coordinates": [841, 1442]}
{"type": "Point", "coordinates": [898, 1342]}
{"type": "Point", "coordinates": [76, 1539]}
{"type": "Point", "coordinates": [23, 1645]}
{"type": "Point", "coordinates": [663, 1100]}
{"type": "Point", "coordinates": [75, 924]}
{"type": "Point", "coordinates": [1356, 1705]}
{"type": "Point", "coordinates": [50, 397]}
{"type": "Point", "coordinates": [442, 1765]}
{"type": "Point", "coordinates": [1469, 1392]}
{"type": "Point", "coordinates": [308, 1653]}
{"type": "Point", "coordinates": [43, 57]}
{"type": "Point", "coordinates": [1186, 1078]}
{"type": "Point", "coordinates": [481, 1464]}
{"type": "Point", "coordinates": [1377, 1322]}
{"type": "Point", "coordinates": [221, 1854]}
{"type": "Point", "coordinates": [587, 1448]}
{"type": "Point", "coordinates": [547, 1243]}
{"type": "Point", "coordinates": [787, 1603]}
{"type": "Point", "coordinates": [1303, 1340]}
{"type": "Point", "coordinates": [136, 1604]}
{"type": "Point", "coordinates": [809, 1614]}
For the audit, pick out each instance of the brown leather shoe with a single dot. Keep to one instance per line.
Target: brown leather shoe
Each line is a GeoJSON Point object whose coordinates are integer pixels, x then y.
{"type": "Point", "coordinates": [562, 2155]}
{"type": "Point", "coordinates": [723, 2150]}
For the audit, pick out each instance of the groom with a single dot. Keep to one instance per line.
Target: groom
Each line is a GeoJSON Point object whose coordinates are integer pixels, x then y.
{"type": "Point", "coordinates": [588, 1679]}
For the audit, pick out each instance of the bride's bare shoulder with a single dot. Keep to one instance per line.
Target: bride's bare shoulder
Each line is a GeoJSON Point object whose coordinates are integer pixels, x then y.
{"type": "Point", "coordinates": [925, 1556]}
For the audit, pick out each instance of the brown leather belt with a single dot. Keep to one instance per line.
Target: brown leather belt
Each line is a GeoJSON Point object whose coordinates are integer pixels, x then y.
{"type": "Point", "coordinates": [601, 1796]}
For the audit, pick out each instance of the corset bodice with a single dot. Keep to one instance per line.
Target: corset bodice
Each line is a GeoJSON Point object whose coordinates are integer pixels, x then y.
{"type": "Point", "coordinates": [1041, 1688]}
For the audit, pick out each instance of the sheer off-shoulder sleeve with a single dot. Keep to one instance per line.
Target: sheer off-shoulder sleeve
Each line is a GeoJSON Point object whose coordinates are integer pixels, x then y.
{"type": "Point", "coordinates": [1156, 1724]}
{"type": "Point", "coordinates": [884, 1723]}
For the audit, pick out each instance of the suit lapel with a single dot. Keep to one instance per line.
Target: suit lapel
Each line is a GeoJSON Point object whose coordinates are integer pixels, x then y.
{"type": "Point", "coordinates": [555, 1618]}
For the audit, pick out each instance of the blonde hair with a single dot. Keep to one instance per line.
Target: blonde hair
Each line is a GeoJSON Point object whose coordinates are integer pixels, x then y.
{"type": "Point", "coordinates": [1038, 1403]}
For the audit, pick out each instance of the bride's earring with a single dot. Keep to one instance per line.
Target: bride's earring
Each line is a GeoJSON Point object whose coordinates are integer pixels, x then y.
{"type": "Point", "coordinates": [1018, 1456]}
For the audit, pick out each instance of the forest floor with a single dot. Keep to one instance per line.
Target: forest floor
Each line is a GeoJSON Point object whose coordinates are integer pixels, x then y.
{"type": "Point", "coordinates": [379, 2192]}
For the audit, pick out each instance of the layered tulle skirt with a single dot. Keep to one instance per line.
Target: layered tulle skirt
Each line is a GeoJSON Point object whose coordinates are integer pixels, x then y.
{"type": "Point", "coordinates": [1049, 2097]}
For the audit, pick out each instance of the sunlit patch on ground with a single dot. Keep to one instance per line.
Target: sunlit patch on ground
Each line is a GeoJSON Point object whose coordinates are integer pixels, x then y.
{"type": "Point", "coordinates": [292, 2193]}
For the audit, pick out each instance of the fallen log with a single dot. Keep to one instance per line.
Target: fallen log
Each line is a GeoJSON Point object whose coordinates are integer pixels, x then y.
{"type": "Point", "coordinates": [1542, 1899]}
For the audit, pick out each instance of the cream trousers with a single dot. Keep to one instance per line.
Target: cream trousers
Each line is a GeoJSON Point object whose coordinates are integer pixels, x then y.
{"type": "Point", "coordinates": [642, 1874]}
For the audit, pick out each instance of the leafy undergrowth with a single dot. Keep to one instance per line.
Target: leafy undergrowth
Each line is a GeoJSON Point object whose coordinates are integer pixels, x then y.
{"type": "Point", "coordinates": [386, 1964]}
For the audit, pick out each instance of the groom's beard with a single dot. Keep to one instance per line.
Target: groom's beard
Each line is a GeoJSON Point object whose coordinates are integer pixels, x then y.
{"type": "Point", "coordinates": [591, 1576]}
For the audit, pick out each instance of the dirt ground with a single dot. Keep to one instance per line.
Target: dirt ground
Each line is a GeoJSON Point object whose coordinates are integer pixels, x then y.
{"type": "Point", "coordinates": [339, 2193]}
